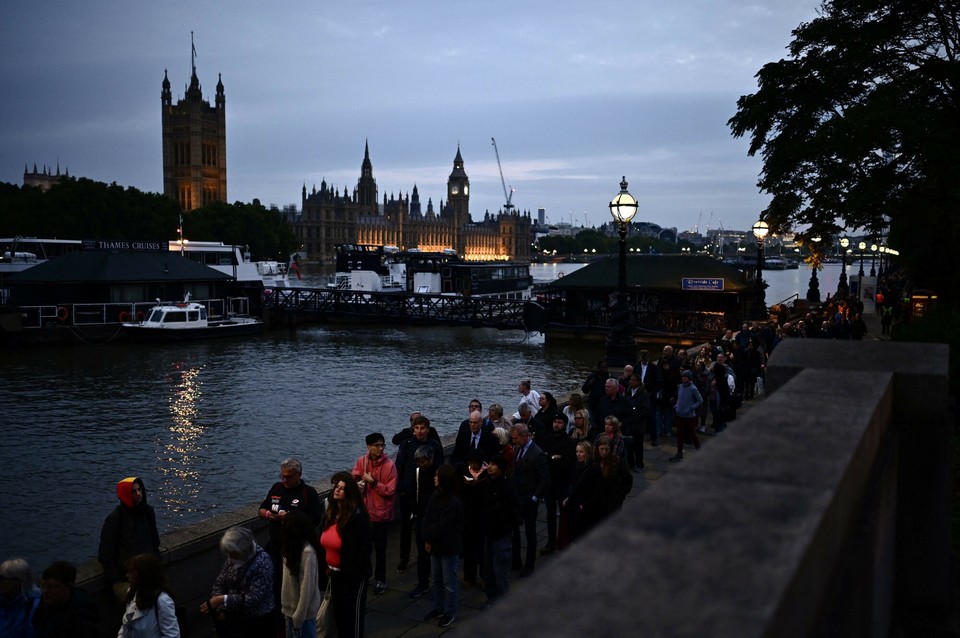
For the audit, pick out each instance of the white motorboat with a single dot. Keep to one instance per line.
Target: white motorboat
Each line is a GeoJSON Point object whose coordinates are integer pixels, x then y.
{"type": "Point", "coordinates": [188, 320]}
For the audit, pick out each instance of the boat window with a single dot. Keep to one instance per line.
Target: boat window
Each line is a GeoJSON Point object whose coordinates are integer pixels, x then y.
{"type": "Point", "coordinates": [203, 313]}
{"type": "Point", "coordinates": [194, 315]}
{"type": "Point", "coordinates": [199, 291]}
{"type": "Point", "coordinates": [128, 293]}
{"type": "Point", "coordinates": [155, 316]}
{"type": "Point", "coordinates": [175, 316]}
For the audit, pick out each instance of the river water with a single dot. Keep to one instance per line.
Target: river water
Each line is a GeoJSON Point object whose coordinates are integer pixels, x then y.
{"type": "Point", "coordinates": [206, 424]}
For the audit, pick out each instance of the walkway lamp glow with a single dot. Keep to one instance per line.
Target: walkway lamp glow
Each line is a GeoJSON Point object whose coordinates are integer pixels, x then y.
{"type": "Point", "coordinates": [760, 230]}
{"type": "Point", "coordinates": [813, 291]}
{"type": "Point", "coordinates": [621, 346]}
{"type": "Point", "coordinates": [873, 257]}
{"type": "Point", "coordinates": [842, 288]}
{"type": "Point", "coordinates": [862, 246]}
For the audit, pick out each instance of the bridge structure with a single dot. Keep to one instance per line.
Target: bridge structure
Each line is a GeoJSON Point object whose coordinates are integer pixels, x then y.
{"type": "Point", "coordinates": [334, 305]}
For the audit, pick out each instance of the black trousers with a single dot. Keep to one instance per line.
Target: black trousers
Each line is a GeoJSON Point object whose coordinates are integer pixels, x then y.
{"type": "Point", "coordinates": [348, 597]}
{"type": "Point", "coordinates": [528, 512]}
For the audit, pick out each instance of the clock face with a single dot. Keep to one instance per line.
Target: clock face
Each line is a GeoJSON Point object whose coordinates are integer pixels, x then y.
{"type": "Point", "coordinates": [454, 189]}
{"type": "Point", "coordinates": [466, 189]}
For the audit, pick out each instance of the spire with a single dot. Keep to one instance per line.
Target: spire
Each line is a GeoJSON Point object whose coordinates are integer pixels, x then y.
{"type": "Point", "coordinates": [193, 91]}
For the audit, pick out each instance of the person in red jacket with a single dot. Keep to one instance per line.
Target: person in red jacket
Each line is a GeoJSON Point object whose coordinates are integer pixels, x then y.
{"type": "Point", "coordinates": [376, 477]}
{"type": "Point", "coordinates": [130, 529]}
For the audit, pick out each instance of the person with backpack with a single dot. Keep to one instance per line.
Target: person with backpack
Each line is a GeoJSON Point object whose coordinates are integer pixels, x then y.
{"type": "Point", "coordinates": [150, 612]}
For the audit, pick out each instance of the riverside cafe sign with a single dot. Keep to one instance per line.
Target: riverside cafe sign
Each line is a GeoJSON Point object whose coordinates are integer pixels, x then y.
{"type": "Point", "coordinates": [702, 283]}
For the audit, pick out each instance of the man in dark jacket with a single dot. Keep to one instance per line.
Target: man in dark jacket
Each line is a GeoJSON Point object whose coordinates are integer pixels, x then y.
{"type": "Point", "coordinates": [592, 388]}
{"type": "Point", "coordinates": [130, 529]}
{"type": "Point", "coordinates": [561, 457]}
{"type": "Point", "coordinates": [407, 481]}
{"type": "Point", "coordinates": [64, 610]}
{"type": "Point", "coordinates": [473, 436]}
{"type": "Point", "coordinates": [501, 517]}
{"type": "Point", "coordinates": [649, 375]}
{"type": "Point", "coordinates": [531, 477]}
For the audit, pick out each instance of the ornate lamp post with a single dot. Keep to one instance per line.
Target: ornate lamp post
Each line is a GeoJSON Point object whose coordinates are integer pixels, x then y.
{"type": "Point", "coordinates": [760, 230]}
{"type": "Point", "coordinates": [843, 290]}
{"type": "Point", "coordinates": [873, 258]}
{"type": "Point", "coordinates": [813, 292]}
{"type": "Point", "coordinates": [862, 246]}
{"type": "Point", "coordinates": [621, 347]}
{"type": "Point", "coordinates": [883, 253]}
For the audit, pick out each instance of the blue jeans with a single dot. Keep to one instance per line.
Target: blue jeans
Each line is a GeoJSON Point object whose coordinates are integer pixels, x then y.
{"type": "Point", "coordinates": [307, 630]}
{"type": "Point", "coordinates": [445, 589]}
{"type": "Point", "coordinates": [664, 420]}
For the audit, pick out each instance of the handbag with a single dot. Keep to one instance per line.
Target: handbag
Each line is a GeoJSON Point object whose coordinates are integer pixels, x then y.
{"type": "Point", "coordinates": [326, 628]}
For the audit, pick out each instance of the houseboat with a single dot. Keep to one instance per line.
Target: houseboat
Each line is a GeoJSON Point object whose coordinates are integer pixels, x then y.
{"type": "Point", "coordinates": [389, 269]}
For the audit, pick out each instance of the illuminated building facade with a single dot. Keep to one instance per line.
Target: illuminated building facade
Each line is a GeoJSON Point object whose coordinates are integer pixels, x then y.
{"type": "Point", "coordinates": [330, 217]}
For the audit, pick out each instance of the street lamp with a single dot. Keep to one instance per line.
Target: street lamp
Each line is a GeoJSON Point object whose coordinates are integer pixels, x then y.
{"type": "Point", "coordinates": [760, 230]}
{"type": "Point", "coordinates": [842, 288]}
{"type": "Point", "coordinates": [621, 347]}
{"type": "Point", "coordinates": [862, 246]}
{"type": "Point", "coordinates": [873, 258]}
{"type": "Point", "coordinates": [883, 253]}
{"type": "Point", "coordinates": [813, 292]}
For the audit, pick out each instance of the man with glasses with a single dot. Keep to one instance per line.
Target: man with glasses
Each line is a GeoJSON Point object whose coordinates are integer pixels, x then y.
{"type": "Point", "coordinates": [377, 477]}
{"type": "Point", "coordinates": [289, 494]}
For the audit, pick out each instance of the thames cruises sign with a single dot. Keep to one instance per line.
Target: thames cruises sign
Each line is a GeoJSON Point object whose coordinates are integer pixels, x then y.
{"type": "Point", "coordinates": [123, 245]}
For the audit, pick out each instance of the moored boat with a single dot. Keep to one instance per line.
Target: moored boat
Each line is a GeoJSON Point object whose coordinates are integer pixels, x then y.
{"type": "Point", "coordinates": [188, 321]}
{"type": "Point", "coordinates": [389, 269]}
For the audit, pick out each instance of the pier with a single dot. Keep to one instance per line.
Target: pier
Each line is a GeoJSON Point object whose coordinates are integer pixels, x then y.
{"type": "Point", "coordinates": [291, 305]}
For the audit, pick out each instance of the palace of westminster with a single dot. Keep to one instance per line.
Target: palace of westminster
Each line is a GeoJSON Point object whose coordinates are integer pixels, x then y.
{"type": "Point", "coordinates": [195, 173]}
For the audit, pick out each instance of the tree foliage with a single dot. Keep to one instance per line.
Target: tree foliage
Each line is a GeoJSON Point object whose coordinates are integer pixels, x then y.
{"type": "Point", "coordinates": [85, 209]}
{"type": "Point", "coordinates": [859, 128]}
{"type": "Point", "coordinates": [592, 241]}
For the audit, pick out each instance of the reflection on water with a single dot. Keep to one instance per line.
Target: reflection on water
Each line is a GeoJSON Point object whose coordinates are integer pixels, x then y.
{"type": "Point", "coordinates": [180, 467]}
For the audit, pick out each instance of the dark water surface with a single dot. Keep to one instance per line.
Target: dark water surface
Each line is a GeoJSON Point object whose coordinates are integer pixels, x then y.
{"type": "Point", "coordinates": [206, 424]}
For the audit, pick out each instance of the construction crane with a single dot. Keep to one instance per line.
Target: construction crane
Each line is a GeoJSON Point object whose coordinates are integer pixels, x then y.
{"type": "Point", "coordinates": [507, 196]}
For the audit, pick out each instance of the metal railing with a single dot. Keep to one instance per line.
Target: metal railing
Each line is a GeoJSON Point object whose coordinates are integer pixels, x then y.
{"type": "Point", "coordinates": [400, 307]}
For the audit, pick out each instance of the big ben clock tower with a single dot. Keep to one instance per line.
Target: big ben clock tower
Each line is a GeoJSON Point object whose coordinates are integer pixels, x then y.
{"type": "Point", "coordinates": [458, 191]}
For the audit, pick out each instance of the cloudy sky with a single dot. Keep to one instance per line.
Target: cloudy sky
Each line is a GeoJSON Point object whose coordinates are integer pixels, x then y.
{"type": "Point", "coordinates": [577, 94]}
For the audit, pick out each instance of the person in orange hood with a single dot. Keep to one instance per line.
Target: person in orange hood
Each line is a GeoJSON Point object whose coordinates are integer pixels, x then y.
{"type": "Point", "coordinates": [130, 529]}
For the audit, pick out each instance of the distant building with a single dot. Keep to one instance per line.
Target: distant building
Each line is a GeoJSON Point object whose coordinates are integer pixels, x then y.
{"type": "Point", "coordinates": [45, 180]}
{"type": "Point", "coordinates": [194, 145]}
{"type": "Point", "coordinates": [330, 217]}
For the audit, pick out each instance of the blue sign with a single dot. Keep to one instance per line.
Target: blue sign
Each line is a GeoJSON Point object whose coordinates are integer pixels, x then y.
{"type": "Point", "coordinates": [701, 283]}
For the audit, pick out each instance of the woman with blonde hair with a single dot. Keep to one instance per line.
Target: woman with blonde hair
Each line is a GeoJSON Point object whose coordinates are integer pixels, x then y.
{"type": "Point", "coordinates": [574, 405]}
{"type": "Point", "coordinates": [582, 429]}
{"type": "Point", "coordinates": [506, 449]}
